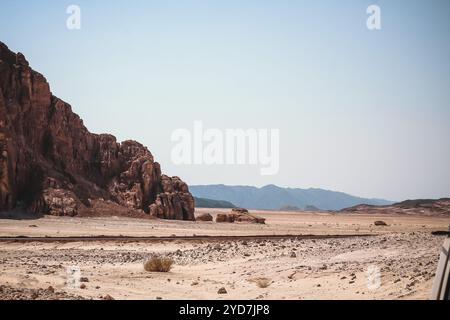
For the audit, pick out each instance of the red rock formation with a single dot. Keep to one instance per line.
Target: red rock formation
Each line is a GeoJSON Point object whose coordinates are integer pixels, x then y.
{"type": "Point", "coordinates": [50, 163]}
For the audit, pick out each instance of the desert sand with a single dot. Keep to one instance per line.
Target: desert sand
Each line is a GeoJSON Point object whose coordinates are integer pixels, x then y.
{"type": "Point", "coordinates": [402, 255]}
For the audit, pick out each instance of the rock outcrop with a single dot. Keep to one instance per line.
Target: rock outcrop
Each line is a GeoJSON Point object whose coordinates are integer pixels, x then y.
{"type": "Point", "coordinates": [239, 215]}
{"type": "Point", "coordinates": [51, 164]}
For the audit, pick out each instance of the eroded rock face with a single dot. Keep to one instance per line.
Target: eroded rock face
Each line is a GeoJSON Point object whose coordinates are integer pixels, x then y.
{"type": "Point", "coordinates": [50, 163]}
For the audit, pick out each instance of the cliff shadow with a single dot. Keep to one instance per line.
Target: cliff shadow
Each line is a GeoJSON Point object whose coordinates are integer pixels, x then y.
{"type": "Point", "coordinates": [20, 215]}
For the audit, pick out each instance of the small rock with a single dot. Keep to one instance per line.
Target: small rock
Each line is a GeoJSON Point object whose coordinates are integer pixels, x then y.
{"type": "Point", "coordinates": [222, 291]}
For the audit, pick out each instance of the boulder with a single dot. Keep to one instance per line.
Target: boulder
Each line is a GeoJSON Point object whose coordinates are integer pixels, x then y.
{"type": "Point", "coordinates": [239, 215]}
{"type": "Point", "coordinates": [205, 217]}
{"type": "Point", "coordinates": [239, 211]}
{"type": "Point", "coordinates": [222, 291]}
{"type": "Point", "coordinates": [60, 202]}
{"type": "Point", "coordinates": [260, 220]}
{"type": "Point", "coordinates": [223, 217]}
{"type": "Point", "coordinates": [245, 218]}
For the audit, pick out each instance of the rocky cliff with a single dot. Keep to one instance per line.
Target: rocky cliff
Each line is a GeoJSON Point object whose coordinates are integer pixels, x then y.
{"type": "Point", "coordinates": [51, 164]}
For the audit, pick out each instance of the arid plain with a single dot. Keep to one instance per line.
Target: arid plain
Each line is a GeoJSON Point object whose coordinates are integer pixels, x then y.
{"type": "Point", "coordinates": [315, 256]}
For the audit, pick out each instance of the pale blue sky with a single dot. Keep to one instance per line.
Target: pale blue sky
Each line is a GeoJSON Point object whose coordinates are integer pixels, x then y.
{"type": "Point", "coordinates": [364, 112]}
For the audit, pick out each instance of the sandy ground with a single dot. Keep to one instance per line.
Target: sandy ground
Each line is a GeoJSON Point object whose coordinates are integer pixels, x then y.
{"type": "Point", "coordinates": [393, 262]}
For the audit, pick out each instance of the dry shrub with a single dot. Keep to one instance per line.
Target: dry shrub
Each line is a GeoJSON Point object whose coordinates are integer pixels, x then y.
{"type": "Point", "coordinates": [158, 264]}
{"type": "Point", "coordinates": [263, 282]}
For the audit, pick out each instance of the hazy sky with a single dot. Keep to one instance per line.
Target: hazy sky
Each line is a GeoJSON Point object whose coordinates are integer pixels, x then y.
{"type": "Point", "coordinates": [359, 111]}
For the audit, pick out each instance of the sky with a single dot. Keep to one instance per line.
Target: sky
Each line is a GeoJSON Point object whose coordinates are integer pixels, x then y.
{"type": "Point", "coordinates": [360, 111]}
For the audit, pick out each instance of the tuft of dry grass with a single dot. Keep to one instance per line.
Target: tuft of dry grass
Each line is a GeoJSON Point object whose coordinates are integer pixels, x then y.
{"type": "Point", "coordinates": [158, 264]}
{"type": "Point", "coordinates": [263, 282]}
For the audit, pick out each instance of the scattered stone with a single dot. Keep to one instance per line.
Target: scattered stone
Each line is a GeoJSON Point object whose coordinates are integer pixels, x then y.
{"type": "Point", "coordinates": [222, 291]}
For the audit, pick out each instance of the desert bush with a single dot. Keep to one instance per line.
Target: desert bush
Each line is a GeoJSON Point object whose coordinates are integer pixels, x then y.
{"type": "Point", "coordinates": [263, 282]}
{"type": "Point", "coordinates": [158, 264]}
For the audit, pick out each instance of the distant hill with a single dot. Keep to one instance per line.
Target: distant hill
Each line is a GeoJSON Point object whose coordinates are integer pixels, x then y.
{"type": "Point", "coordinates": [210, 203]}
{"type": "Point", "coordinates": [289, 208]}
{"type": "Point", "coordinates": [425, 203]}
{"type": "Point", "coordinates": [272, 197]}
{"type": "Point", "coordinates": [428, 207]}
{"type": "Point", "coordinates": [311, 208]}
